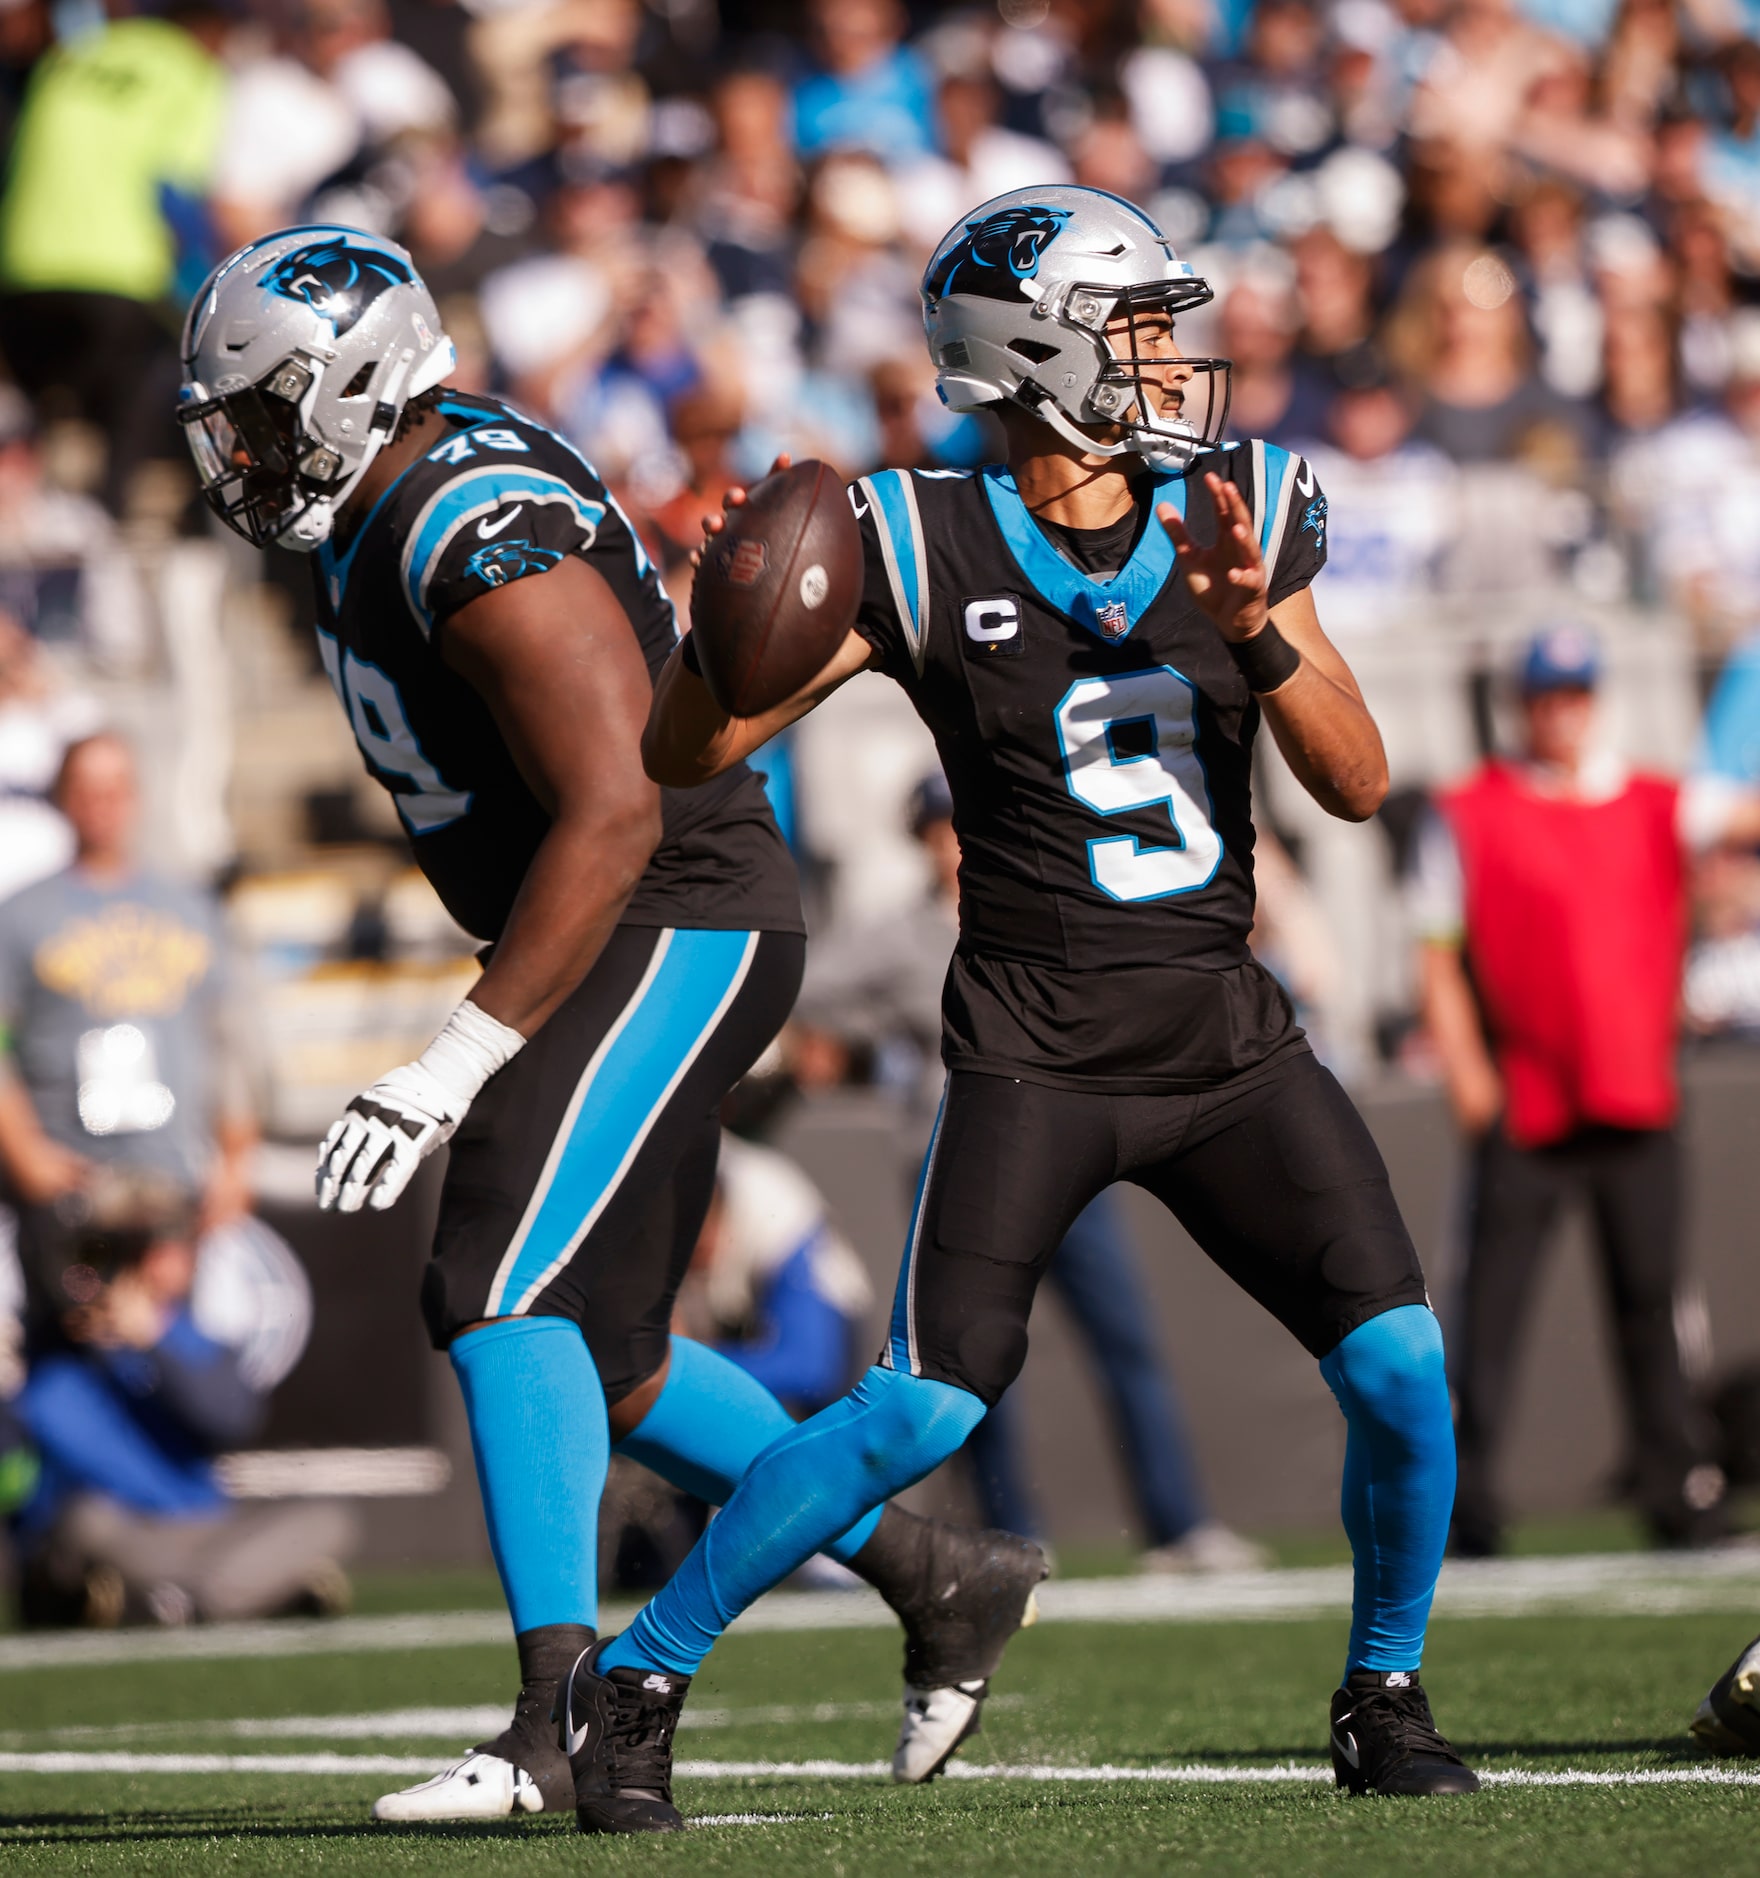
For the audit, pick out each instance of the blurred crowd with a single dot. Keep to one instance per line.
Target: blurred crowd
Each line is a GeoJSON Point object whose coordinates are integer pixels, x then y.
{"type": "Point", "coordinates": [1492, 265]}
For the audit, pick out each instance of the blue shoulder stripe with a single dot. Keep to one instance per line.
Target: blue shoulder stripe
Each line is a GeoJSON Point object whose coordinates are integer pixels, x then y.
{"type": "Point", "coordinates": [1274, 478]}
{"type": "Point", "coordinates": [893, 502]}
{"type": "Point", "coordinates": [476, 493]}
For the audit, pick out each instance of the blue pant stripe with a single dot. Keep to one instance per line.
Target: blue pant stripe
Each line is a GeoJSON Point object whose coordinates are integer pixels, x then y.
{"type": "Point", "coordinates": [901, 1342]}
{"type": "Point", "coordinates": [690, 982]}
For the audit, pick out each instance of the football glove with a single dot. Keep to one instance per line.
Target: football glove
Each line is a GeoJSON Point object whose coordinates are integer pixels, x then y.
{"type": "Point", "coordinates": [387, 1131]}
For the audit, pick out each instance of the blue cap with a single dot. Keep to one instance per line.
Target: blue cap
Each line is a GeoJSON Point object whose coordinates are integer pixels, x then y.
{"type": "Point", "coordinates": [1561, 658]}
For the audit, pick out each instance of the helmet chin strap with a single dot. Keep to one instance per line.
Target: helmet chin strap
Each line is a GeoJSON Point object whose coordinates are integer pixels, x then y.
{"type": "Point", "coordinates": [1053, 414]}
{"type": "Point", "coordinates": [1162, 453]}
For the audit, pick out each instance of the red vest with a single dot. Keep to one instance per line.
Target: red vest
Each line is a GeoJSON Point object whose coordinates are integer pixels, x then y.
{"type": "Point", "coordinates": [1575, 928]}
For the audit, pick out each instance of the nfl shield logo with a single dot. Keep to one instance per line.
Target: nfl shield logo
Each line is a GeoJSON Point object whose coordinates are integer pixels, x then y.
{"type": "Point", "coordinates": [1115, 619]}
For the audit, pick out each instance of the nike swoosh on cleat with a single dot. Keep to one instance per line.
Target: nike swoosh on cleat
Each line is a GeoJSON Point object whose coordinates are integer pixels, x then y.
{"type": "Point", "coordinates": [484, 531]}
{"type": "Point", "coordinates": [1347, 1746]}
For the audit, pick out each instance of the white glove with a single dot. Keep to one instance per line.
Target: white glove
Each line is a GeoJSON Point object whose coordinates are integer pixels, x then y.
{"type": "Point", "coordinates": [388, 1131]}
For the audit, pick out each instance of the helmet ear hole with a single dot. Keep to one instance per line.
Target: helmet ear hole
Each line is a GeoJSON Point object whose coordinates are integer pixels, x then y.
{"type": "Point", "coordinates": [357, 385]}
{"type": "Point", "coordinates": [1033, 350]}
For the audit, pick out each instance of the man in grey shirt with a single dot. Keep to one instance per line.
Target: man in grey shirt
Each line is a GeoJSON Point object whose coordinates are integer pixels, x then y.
{"type": "Point", "coordinates": [113, 1002]}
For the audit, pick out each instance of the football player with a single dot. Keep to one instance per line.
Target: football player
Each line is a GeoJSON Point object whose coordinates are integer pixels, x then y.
{"type": "Point", "coordinates": [1094, 632]}
{"type": "Point", "coordinates": [492, 625]}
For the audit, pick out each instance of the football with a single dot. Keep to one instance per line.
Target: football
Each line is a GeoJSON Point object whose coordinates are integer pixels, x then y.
{"type": "Point", "coordinates": [776, 592]}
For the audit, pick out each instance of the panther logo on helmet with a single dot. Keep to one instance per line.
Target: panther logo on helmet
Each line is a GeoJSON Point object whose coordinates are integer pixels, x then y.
{"type": "Point", "coordinates": [336, 281]}
{"type": "Point", "coordinates": [997, 252]}
{"type": "Point", "coordinates": [510, 560]}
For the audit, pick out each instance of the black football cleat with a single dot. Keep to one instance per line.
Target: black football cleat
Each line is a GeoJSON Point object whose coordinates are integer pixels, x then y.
{"type": "Point", "coordinates": [616, 1729]}
{"type": "Point", "coordinates": [1728, 1721]}
{"type": "Point", "coordinates": [973, 1590]}
{"type": "Point", "coordinates": [522, 1770]}
{"type": "Point", "coordinates": [1384, 1739]}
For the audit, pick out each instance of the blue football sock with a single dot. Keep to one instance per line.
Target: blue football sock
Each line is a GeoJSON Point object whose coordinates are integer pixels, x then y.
{"type": "Point", "coordinates": [537, 1415]}
{"type": "Point", "coordinates": [1398, 1479]}
{"type": "Point", "coordinates": [708, 1425]}
{"type": "Point", "coordinates": [806, 1488]}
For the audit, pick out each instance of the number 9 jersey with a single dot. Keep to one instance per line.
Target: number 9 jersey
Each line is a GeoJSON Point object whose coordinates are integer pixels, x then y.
{"type": "Point", "coordinates": [1098, 741]}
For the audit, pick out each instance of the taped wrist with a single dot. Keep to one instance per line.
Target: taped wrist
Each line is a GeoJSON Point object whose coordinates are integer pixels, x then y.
{"type": "Point", "coordinates": [1265, 661]}
{"type": "Point", "coordinates": [469, 1050]}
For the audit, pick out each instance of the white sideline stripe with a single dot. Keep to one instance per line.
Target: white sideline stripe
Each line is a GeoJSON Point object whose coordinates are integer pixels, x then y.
{"type": "Point", "coordinates": [1634, 1584]}
{"type": "Point", "coordinates": [1191, 1774]}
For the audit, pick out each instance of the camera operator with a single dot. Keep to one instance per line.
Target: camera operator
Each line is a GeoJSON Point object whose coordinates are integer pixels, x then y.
{"type": "Point", "coordinates": [126, 1402]}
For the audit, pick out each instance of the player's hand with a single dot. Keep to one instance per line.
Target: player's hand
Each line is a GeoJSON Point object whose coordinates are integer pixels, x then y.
{"type": "Point", "coordinates": [384, 1135]}
{"type": "Point", "coordinates": [1229, 580]}
{"type": "Point", "coordinates": [734, 498]}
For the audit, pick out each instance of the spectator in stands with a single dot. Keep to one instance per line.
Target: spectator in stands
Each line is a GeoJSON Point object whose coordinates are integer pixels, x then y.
{"type": "Point", "coordinates": [126, 1403]}
{"type": "Point", "coordinates": [39, 718]}
{"type": "Point", "coordinates": [334, 88]}
{"type": "Point", "coordinates": [1460, 335]}
{"type": "Point", "coordinates": [978, 157]}
{"type": "Point", "coordinates": [1392, 509]}
{"type": "Point", "coordinates": [870, 92]}
{"type": "Point", "coordinates": [877, 993]}
{"type": "Point", "coordinates": [122, 1041]}
{"type": "Point", "coordinates": [65, 571]}
{"type": "Point", "coordinates": [1553, 912]}
{"type": "Point", "coordinates": [113, 154]}
{"type": "Point", "coordinates": [1267, 397]}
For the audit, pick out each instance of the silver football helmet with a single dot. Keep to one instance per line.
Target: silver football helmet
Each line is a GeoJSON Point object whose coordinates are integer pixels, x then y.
{"type": "Point", "coordinates": [299, 354]}
{"type": "Point", "coordinates": [1017, 300]}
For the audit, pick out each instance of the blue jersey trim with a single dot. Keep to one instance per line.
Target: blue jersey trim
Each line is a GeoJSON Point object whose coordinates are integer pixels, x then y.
{"type": "Point", "coordinates": [336, 567]}
{"type": "Point", "coordinates": [1136, 585]}
{"type": "Point", "coordinates": [476, 493]}
{"type": "Point", "coordinates": [894, 515]}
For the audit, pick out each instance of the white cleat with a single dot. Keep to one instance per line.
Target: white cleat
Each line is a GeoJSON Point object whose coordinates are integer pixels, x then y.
{"type": "Point", "coordinates": [481, 1786]}
{"type": "Point", "coordinates": [936, 1721]}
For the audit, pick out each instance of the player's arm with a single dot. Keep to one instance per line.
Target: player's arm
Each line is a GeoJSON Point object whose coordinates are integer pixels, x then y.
{"type": "Point", "coordinates": [689, 738]}
{"type": "Point", "coordinates": [556, 661]}
{"type": "Point", "coordinates": [1302, 683]}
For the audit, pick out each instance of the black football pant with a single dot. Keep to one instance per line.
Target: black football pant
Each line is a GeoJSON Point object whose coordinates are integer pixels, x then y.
{"type": "Point", "coordinates": [1631, 1180]}
{"type": "Point", "coordinates": [1273, 1173]}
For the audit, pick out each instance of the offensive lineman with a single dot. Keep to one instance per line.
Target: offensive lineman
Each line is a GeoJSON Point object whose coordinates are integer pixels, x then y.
{"type": "Point", "coordinates": [1094, 683]}
{"type": "Point", "coordinates": [491, 625]}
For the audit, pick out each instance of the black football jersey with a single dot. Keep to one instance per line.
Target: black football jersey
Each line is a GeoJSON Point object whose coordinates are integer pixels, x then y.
{"type": "Point", "coordinates": [500, 499]}
{"type": "Point", "coordinates": [1097, 739]}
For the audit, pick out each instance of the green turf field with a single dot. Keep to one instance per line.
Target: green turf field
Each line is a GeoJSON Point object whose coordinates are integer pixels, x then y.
{"type": "Point", "coordinates": [1542, 1694]}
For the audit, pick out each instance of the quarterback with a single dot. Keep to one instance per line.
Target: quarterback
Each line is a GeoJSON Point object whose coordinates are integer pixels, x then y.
{"type": "Point", "coordinates": [492, 627]}
{"type": "Point", "coordinates": [1093, 631]}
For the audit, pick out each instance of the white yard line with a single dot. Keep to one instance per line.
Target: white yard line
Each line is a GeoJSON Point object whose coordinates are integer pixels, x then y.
{"type": "Point", "coordinates": [460, 1725]}
{"type": "Point", "coordinates": [1190, 1774]}
{"type": "Point", "coordinates": [1602, 1585]}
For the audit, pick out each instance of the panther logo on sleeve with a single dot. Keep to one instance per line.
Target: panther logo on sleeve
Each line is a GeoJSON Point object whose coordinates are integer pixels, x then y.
{"type": "Point", "coordinates": [337, 281]}
{"type": "Point", "coordinates": [495, 566]}
{"type": "Point", "coordinates": [998, 253]}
